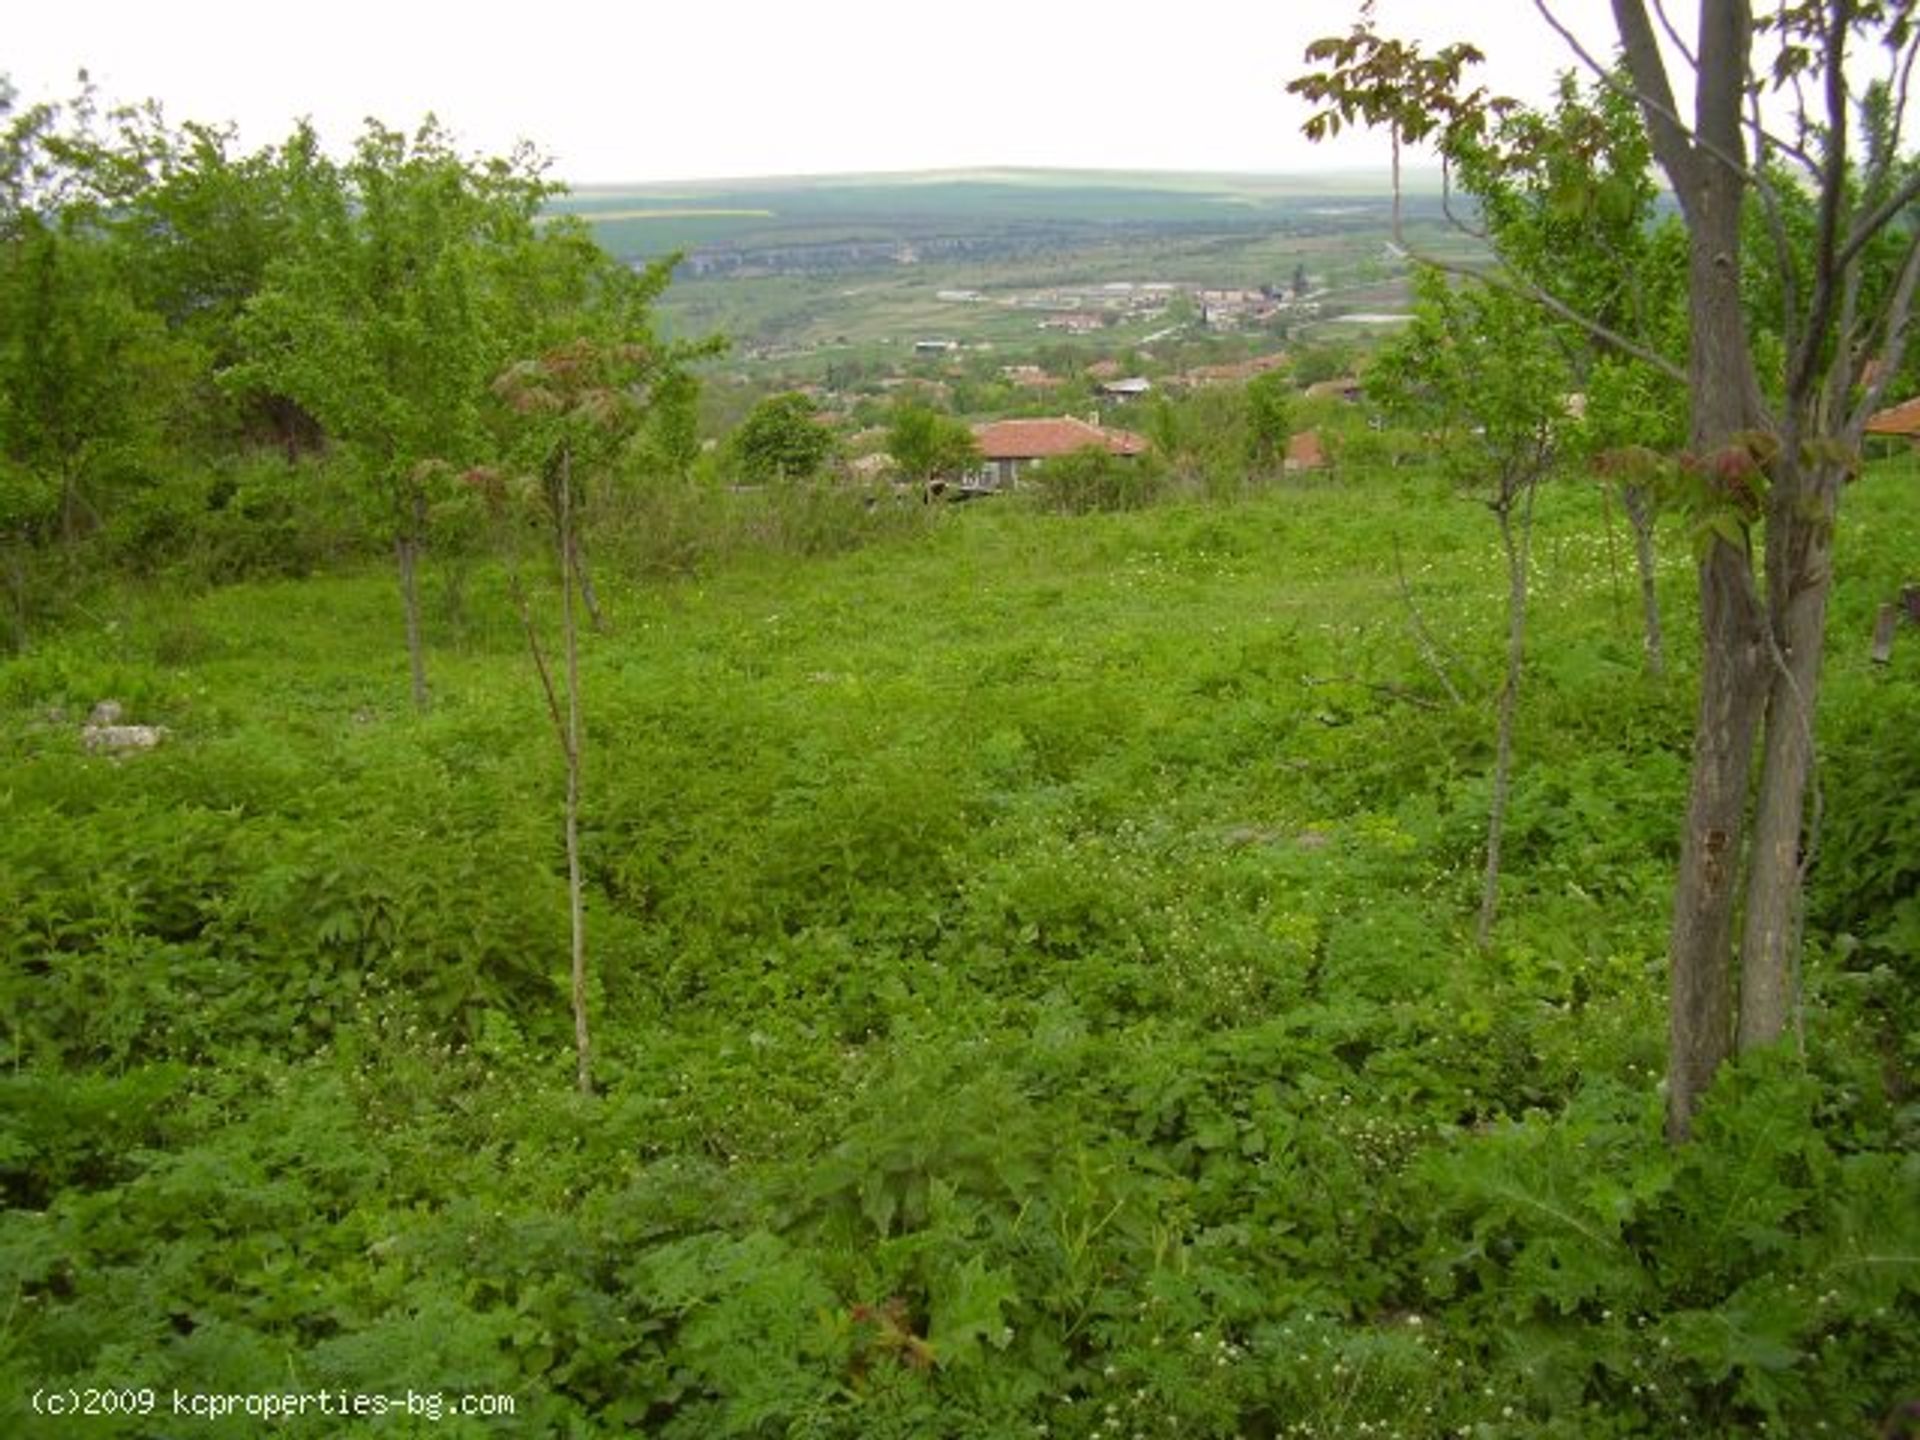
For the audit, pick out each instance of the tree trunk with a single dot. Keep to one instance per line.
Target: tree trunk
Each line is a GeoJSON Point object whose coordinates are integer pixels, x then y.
{"type": "Point", "coordinates": [1641, 515]}
{"type": "Point", "coordinates": [1799, 577]}
{"type": "Point", "coordinates": [1517, 547]}
{"type": "Point", "coordinates": [1725, 401]}
{"type": "Point", "coordinates": [406, 553]}
{"type": "Point", "coordinates": [1732, 694]}
{"type": "Point", "coordinates": [576, 897]}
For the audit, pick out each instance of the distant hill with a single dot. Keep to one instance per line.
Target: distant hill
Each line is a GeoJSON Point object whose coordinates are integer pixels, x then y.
{"type": "Point", "coordinates": [750, 215]}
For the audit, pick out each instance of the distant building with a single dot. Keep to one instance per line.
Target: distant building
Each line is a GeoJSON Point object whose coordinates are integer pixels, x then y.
{"type": "Point", "coordinates": [935, 347]}
{"type": "Point", "coordinates": [1122, 391]}
{"type": "Point", "coordinates": [1009, 445]}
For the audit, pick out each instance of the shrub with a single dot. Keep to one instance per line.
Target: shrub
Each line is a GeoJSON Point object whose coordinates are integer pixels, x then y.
{"type": "Point", "coordinates": [1093, 479]}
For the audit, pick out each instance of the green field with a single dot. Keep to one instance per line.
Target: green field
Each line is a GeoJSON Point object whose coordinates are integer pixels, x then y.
{"type": "Point", "coordinates": [1033, 992]}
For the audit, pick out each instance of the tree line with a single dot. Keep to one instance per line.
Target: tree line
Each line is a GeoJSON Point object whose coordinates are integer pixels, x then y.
{"type": "Point", "coordinates": [175, 305]}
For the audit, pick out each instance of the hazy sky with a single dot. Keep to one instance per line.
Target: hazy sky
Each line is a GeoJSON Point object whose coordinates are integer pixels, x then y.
{"type": "Point", "coordinates": [650, 91]}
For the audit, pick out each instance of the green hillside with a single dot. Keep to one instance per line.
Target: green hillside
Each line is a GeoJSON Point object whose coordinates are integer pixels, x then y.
{"type": "Point", "coordinates": [1033, 994]}
{"type": "Point", "coordinates": [653, 219]}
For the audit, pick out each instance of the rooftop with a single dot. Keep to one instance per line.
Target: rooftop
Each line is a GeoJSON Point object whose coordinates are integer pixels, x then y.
{"type": "Point", "coordinates": [1901, 419]}
{"type": "Point", "coordinates": [1037, 439]}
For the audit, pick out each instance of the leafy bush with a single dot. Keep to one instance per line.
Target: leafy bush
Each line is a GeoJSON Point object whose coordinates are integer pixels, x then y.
{"type": "Point", "coordinates": [1094, 478]}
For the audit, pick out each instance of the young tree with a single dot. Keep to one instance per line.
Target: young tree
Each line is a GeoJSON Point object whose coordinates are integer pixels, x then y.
{"type": "Point", "coordinates": [1633, 429]}
{"type": "Point", "coordinates": [566, 292]}
{"type": "Point", "coordinates": [1776, 412]}
{"type": "Point", "coordinates": [928, 446]}
{"type": "Point", "coordinates": [386, 317]}
{"type": "Point", "coordinates": [780, 441]}
{"type": "Point", "coordinates": [88, 376]}
{"type": "Point", "coordinates": [206, 231]}
{"type": "Point", "coordinates": [1485, 369]}
{"type": "Point", "coordinates": [1567, 198]}
{"type": "Point", "coordinates": [1269, 420]}
{"type": "Point", "coordinates": [571, 407]}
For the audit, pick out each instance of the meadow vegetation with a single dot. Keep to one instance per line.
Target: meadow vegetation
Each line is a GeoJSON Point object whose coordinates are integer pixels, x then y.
{"type": "Point", "coordinates": [1034, 993]}
{"type": "Point", "coordinates": [1040, 953]}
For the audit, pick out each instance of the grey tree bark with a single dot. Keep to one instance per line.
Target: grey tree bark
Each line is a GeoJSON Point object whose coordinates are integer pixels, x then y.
{"type": "Point", "coordinates": [1707, 168]}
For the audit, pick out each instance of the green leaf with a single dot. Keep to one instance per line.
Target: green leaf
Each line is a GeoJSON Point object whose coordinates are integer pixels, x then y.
{"type": "Point", "coordinates": [967, 1306]}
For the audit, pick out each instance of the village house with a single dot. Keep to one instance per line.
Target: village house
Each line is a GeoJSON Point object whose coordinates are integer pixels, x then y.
{"type": "Point", "coordinates": [1009, 446]}
{"type": "Point", "coordinates": [1121, 391]}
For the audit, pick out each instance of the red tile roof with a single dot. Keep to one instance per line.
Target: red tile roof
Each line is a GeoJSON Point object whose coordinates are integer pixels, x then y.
{"type": "Point", "coordinates": [1036, 439]}
{"type": "Point", "coordinates": [1902, 419]}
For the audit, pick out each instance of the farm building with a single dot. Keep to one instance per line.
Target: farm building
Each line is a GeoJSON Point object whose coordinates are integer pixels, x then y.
{"type": "Point", "coordinates": [1132, 388]}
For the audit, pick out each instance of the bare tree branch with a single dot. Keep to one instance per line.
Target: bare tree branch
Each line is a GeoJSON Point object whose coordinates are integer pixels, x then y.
{"type": "Point", "coordinates": [1686, 51]}
{"type": "Point", "coordinates": [1896, 317]}
{"type": "Point", "coordinates": [1514, 285]}
{"type": "Point", "coordinates": [1876, 220]}
{"type": "Point", "coordinates": [1673, 141]}
{"type": "Point", "coordinates": [1832, 197]}
{"type": "Point", "coordinates": [1430, 648]}
{"type": "Point", "coordinates": [1765, 139]}
{"type": "Point", "coordinates": [1446, 204]}
{"type": "Point", "coordinates": [518, 590]}
{"type": "Point", "coordinates": [1903, 87]}
{"type": "Point", "coordinates": [1660, 105]}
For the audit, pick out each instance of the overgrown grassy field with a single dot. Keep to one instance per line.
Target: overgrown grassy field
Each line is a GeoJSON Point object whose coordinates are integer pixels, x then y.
{"type": "Point", "coordinates": [1033, 987]}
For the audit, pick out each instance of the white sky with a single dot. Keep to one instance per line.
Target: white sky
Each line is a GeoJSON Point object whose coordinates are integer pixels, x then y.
{"type": "Point", "coordinates": [703, 88]}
